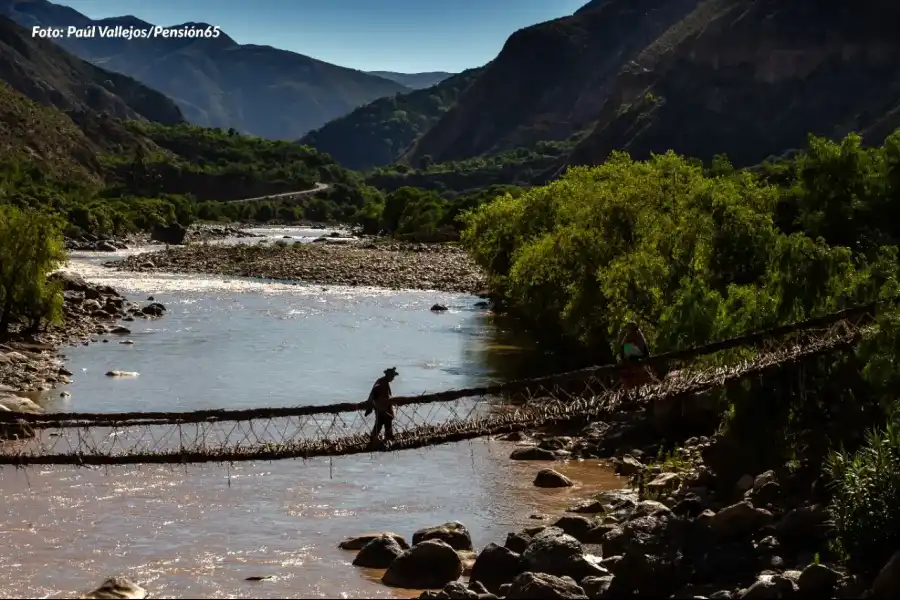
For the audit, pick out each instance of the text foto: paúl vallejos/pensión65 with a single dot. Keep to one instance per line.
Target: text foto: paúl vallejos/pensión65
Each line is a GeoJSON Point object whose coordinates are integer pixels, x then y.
{"type": "Point", "coordinates": [128, 33]}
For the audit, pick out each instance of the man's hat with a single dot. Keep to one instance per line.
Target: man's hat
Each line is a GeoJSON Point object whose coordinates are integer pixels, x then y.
{"type": "Point", "coordinates": [391, 371]}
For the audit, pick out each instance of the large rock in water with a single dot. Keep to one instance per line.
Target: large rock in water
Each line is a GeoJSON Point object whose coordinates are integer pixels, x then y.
{"type": "Point", "coordinates": [169, 234]}
{"type": "Point", "coordinates": [495, 566]}
{"type": "Point", "coordinates": [455, 534]}
{"type": "Point", "coordinates": [378, 553]}
{"type": "Point", "coordinates": [429, 565]}
{"type": "Point", "coordinates": [118, 587]}
{"type": "Point", "coordinates": [358, 542]}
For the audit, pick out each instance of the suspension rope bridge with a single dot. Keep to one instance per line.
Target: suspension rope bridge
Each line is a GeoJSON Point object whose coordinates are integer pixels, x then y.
{"type": "Point", "coordinates": [430, 419]}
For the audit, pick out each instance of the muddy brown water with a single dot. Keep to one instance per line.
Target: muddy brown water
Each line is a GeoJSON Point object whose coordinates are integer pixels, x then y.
{"type": "Point", "coordinates": [200, 531]}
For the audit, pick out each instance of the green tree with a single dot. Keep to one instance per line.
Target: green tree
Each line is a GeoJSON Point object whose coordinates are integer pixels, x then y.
{"type": "Point", "coordinates": [31, 247]}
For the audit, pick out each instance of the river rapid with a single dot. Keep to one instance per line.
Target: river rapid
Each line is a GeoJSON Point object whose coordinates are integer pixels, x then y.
{"type": "Point", "coordinates": [199, 531]}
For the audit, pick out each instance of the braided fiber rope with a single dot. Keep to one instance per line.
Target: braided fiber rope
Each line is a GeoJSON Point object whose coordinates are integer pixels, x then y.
{"type": "Point", "coordinates": [342, 429]}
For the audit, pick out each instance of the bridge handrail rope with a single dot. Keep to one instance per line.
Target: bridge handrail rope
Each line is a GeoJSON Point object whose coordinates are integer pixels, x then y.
{"type": "Point", "coordinates": [310, 437]}
{"type": "Point", "coordinates": [124, 419]}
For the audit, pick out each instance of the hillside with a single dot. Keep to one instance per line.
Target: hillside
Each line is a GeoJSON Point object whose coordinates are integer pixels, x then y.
{"type": "Point", "coordinates": [549, 80]}
{"type": "Point", "coordinates": [380, 132]}
{"type": "Point", "coordinates": [752, 78]}
{"type": "Point", "coordinates": [51, 76]}
{"type": "Point", "coordinates": [217, 82]}
{"type": "Point", "coordinates": [414, 81]}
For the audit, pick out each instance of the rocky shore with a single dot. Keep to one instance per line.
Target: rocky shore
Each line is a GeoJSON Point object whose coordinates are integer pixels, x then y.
{"type": "Point", "coordinates": [398, 266]}
{"type": "Point", "coordinates": [32, 363]}
{"type": "Point", "coordinates": [692, 524]}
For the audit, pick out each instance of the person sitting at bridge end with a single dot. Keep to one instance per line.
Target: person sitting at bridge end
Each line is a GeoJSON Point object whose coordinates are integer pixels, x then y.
{"type": "Point", "coordinates": [633, 345]}
{"type": "Point", "coordinates": [380, 401]}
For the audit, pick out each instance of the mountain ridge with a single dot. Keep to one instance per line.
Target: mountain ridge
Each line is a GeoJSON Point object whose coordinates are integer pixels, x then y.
{"type": "Point", "coordinates": [216, 82]}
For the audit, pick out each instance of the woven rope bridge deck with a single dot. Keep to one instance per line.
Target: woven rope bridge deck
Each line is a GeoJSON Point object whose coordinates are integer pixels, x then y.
{"type": "Point", "coordinates": [427, 420]}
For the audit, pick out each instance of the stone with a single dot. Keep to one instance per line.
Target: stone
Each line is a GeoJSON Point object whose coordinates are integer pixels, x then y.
{"type": "Point", "coordinates": [739, 519]}
{"type": "Point", "coordinates": [764, 478]}
{"type": "Point", "coordinates": [744, 483]}
{"type": "Point", "coordinates": [428, 565]}
{"type": "Point", "coordinates": [596, 587]}
{"type": "Point", "coordinates": [455, 534]}
{"type": "Point", "coordinates": [378, 553]}
{"type": "Point", "coordinates": [629, 466]}
{"type": "Point", "coordinates": [548, 478]}
{"type": "Point", "coordinates": [587, 507]}
{"type": "Point", "coordinates": [551, 553]}
{"type": "Point", "coordinates": [118, 330]}
{"type": "Point", "coordinates": [117, 587]}
{"type": "Point", "coordinates": [532, 453]}
{"type": "Point", "coordinates": [494, 566]}
{"type": "Point", "coordinates": [650, 508]}
{"type": "Point", "coordinates": [517, 542]}
{"type": "Point", "coordinates": [818, 580]}
{"type": "Point", "coordinates": [122, 373]}
{"type": "Point", "coordinates": [582, 529]}
{"type": "Point", "coordinates": [358, 542]}
{"type": "Point", "coordinates": [457, 590]}
{"type": "Point", "coordinates": [664, 482]}
{"type": "Point", "coordinates": [544, 586]}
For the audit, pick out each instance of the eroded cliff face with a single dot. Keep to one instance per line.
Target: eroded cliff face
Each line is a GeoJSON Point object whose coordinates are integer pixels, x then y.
{"type": "Point", "coordinates": [551, 80]}
{"type": "Point", "coordinates": [751, 78]}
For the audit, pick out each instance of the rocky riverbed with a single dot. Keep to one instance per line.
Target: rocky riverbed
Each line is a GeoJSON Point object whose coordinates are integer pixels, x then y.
{"type": "Point", "coordinates": [32, 362]}
{"type": "Point", "coordinates": [397, 266]}
{"type": "Point", "coordinates": [683, 533]}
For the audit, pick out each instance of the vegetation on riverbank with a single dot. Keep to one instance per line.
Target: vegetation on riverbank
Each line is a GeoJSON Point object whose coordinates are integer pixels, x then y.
{"type": "Point", "coordinates": [140, 174]}
{"type": "Point", "coordinates": [30, 249]}
{"type": "Point", "coordinates": [696, 256]}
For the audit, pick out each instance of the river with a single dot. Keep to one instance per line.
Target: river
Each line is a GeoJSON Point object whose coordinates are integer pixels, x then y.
{"type": "Point", "coordinates": [199, 531]}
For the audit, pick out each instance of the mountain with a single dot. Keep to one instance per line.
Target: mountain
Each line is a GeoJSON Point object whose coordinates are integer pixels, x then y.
{"type": "Point", "coordinates": [749, 78]}
{"type": "Point", "coordinates": [752, 78]}
{"type": "Point", "coordinates": [414, 81]}
{"type": "Point", "coordinates": [215, 81]}
{"type": "Point", "coordinates": [51, 76]}
{"type": "Point", "coordinates": [379, 133]}
{"type": "Point", "coordinates": [549, 80]}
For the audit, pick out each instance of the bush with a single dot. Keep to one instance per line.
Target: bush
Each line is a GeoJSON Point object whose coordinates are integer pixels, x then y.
{"type": "Point", "coordinates": [691, 258]}
{"type": "Point", "coordinates": [31, 247]}
{"type": "Point", "coordinates": [866, 487]}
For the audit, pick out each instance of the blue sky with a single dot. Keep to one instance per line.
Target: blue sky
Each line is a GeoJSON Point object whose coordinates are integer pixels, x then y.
{"type": "Point", "coordinates": [389, 35]}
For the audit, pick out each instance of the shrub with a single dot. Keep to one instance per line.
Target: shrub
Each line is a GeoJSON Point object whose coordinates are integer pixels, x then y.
{"type": "Point", "coordinates": [31, 247]}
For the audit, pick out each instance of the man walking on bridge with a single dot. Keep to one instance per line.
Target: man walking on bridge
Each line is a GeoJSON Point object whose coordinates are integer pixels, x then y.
{"type": "Point", "coordinates": [380, 401]}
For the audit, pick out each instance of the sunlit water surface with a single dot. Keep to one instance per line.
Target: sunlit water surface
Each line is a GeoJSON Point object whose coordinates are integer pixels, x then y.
{"type": "Point", "coordinates": [199, 531]}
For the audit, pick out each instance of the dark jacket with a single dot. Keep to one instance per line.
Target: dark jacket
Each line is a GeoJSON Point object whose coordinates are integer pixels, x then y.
{"type": "Point", "coordinates": [380, 397]}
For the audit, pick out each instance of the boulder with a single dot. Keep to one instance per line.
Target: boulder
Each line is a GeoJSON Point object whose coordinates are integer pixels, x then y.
{"type": "Point", "coordinates": [818, 580]}
{"type": "Point", "coordinates": [532, 453]}
{"type": "Point", "coordinates": [629, 466]}
{"type": "Point", "coordinates": [551, 553]}
{"type": "Point", "coordinates": [358, 542]}
{"type": "Point", "coordinates": [517, 542]}
{"type": "Point", "coordinates": [454, 534]}
{"type": "Point", "coordinates": [544, 586]}
{"type": "Point", "coordinates": [803, 525]}
{"type": "Point", "coordinates": [455, 590]}
{"type": "Point", "coordinates": [117, 587]}
{"type": "Point", "coordinates": [587, 507]}
{"type": "Point", "coordinates": [548, 478]}
{"type": "Point", "coordinates": [71, 282]}
{"type": "Point", "coordinates": [19, 404]}
{"type": "Point", "coordinates": [173, 234]}
{"type": "Point", "coordinates": [596, 587]}
{"type": "Point", "coordinates": [495, 566]}
{"type": "Point", "coordinates": [122, 373]}
{"type": "Point", "coordinates": [154, 309]}
{"type": "Point", "coordinates": [428, 565]}
{"type": "Point", "coordinates": [378, 553]}
{"type": "Point", "coordinates": [739, 519]}
{"type": "Point", "coordinates": [577, 527]}
{"type": "Point", "coordinates": [438, 308]}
